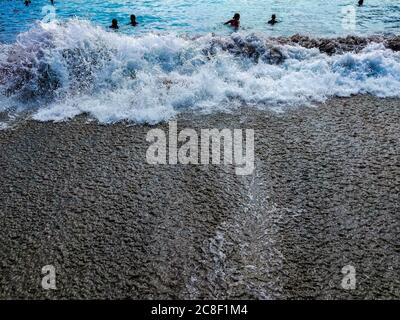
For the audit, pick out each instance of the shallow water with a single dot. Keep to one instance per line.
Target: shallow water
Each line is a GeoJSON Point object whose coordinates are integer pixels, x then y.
{"type": "Point", "coordinates": [312, 17]}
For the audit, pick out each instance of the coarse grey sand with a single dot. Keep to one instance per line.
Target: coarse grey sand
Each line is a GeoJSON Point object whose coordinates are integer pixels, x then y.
{"type": "Point", "coordinates": [325, 194]}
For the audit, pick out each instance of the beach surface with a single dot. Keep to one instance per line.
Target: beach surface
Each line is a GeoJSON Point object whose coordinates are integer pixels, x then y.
{"type": "Point", "coordinates": [324, 194]}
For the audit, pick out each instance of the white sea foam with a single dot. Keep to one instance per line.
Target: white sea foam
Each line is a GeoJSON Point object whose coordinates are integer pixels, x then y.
{"type": "Point", "coordinates": [3, 126]}
{"type": "Point", "coordinates": [63, 70]}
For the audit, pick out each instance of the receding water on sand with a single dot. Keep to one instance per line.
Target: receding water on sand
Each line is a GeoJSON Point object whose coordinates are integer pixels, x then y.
{"type": "Point", "coordinates": [324, 194]}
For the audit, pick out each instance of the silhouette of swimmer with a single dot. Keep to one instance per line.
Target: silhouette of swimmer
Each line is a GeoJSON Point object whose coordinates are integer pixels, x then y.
{"type": "Point", "coordinates": [133, 22]}
{"type": "Point", "coordinates": [360, 3]}
{"type": "Point", "coordinates": [273, 20]}
{"type": "Point", "coordinates": [235, 21]}
{"type": "Point", "coordinates": [114, 24]}
{"type": "Point", "coordinates": [27, 2]}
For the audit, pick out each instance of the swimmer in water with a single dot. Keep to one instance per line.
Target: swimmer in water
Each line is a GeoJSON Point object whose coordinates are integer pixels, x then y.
{"type": "Point", "coordinates": [133, 22]}
{"type": "Point", "coordinates": [27, 2]}
{"type": "Point", "coordinates": [273, 20]}
{"type": "Point", "coordinates": [235, 21]}
{"type": "Point", "coordinates": [114, 24]}
{"type": "Point", "coordinates": [52, 2]}
{"type": "Point", "coordinates": [360, 3]}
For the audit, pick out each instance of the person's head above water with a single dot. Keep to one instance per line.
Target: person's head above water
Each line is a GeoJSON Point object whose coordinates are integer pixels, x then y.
{"type": "Point", "coordinates": [114, 24]}
{"type": "Point", "coordinates": [133, 20]}
{"type": "Point", "coordinates": [235, 21]}
{"type": "Point", "coordinates": [360, 2]}
{"type": "Point", "coordinates": [273, 19]}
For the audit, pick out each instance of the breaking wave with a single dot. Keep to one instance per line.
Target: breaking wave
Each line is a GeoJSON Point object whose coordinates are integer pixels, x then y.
{"type": "Point", "coordinates": [59, 70]}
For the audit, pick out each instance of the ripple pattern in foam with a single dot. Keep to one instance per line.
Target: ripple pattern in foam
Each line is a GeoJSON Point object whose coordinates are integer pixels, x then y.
{"type": "Point", "coordinates": [59, 71]}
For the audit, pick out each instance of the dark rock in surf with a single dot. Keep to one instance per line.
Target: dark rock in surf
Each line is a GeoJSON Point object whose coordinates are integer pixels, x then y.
{"type": "Point", "coordinates": [327, 47]}
{"type": "Point", "coordinates": [394, 44]}
{"type": "Point", "coordinates": [274, 56]}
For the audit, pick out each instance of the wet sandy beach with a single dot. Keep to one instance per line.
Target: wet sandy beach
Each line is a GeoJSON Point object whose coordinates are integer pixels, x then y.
{"type": "Point", "coordinates": [324, 194]}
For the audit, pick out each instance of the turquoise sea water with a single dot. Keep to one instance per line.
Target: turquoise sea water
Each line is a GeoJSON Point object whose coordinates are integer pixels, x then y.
{"type": "Point", "coordinates": [310, 17]}
{"type": "Point", "coordinates": [182, 58]}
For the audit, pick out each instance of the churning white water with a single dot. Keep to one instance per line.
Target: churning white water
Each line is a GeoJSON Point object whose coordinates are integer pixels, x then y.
{"type": "Point", "coordinates": [60, 70]}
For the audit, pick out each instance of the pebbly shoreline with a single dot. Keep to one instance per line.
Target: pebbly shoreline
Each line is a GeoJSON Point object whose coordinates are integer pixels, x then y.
{"type": "Point", "coordinates": [324, 194]}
